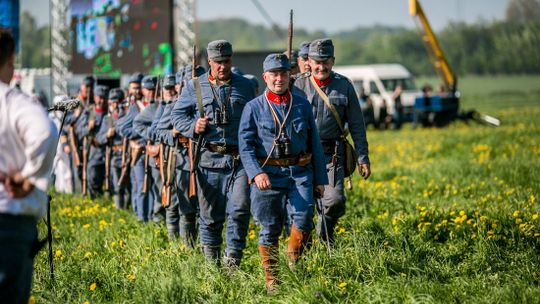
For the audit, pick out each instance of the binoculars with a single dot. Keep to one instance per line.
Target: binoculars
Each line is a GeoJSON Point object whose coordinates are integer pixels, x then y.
{"type": "Point", "coordinates": [283, 148]}
{"type": "Point", "coordinates": [221, 116]}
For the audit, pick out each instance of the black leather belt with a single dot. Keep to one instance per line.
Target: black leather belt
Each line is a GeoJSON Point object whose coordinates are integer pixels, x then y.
{"type": "Point", "coordinates": [229, 149]}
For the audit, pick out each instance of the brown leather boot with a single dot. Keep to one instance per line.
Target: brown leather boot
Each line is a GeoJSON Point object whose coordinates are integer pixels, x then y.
{"type": "Point", "coordinates": [269, 259]}
{"type": "Point", "coordinates": [298, 240]}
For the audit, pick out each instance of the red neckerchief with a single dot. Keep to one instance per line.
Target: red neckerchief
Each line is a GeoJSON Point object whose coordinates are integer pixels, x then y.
{"type": "Point", "coordinates": [100, 110]}
{"type": "Point", "coordinates": [278, 99]}
{"type": "Point", "coordinates": [145, 102]}
{"type": "Point", "coordinates": [323, 83]}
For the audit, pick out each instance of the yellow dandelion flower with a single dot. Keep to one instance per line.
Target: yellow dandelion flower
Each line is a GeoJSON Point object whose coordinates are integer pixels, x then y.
{"type": "Point", "coordinates": [93, 286]}
{"type": "Point", "coordinates": [483, 218]}
{"type": "Point", "coordinates": [535, 216]}
{"type": "Point", "coordinates": [32, 300]}
{"type": "Point", "coordinates": [494, 225]}
{"type": "Point", "coordinates": [86, 226]}
{"type": "Point", "coordinates": [131, 277]}
{"type": "Point", "coordinates": [58, 253]}
{"type": "Point", "coordinates": [122, 221]}
{"type": "Point", "coordinates": [342, 284]}
{"type": "Point", "coordinates": [516, 213]}
{"type": "Point", "coordinates": [87, 254]}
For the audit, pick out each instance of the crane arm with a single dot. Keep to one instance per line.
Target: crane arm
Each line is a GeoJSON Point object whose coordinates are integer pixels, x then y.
{"type": "Point", "coordinates": [443, 69]}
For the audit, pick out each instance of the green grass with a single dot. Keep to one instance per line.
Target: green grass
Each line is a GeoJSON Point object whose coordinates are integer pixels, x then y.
{"type": "Point", "coordinates": [449, 215]}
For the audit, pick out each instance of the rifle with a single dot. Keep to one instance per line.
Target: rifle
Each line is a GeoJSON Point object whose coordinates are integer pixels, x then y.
{"type": "Point", "coordinates": [87, 141]}
{"type": "Point", "coordinates": [108, 150]}
{"type": "Point", "coordinates": [163, 170]}
{"type": "Point", "coordinates": [195, 151]}
{"type": "Point", "coordinates": [124, 174]}
{"type": "Point", "coordinates": [290, 35]}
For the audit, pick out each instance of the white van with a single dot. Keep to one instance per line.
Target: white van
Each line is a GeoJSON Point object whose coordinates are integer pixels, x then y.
{"type": "Point", "coordinates": [379, 81]}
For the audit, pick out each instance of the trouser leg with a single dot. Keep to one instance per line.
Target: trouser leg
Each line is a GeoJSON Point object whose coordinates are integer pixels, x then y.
{"type": "Point", "coordinates": [238, 214]}
{"type": "Point", "coordinates": [212, 204]}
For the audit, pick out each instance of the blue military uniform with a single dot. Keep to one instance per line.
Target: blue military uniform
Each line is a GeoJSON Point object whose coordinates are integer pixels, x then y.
{"type": "Point", "coordinates": [141, 126]}
{"type": "Point", "coordinates": [221, 178]}
{"type": "Point", "coordinates": [343, 97]}
{"type": "Point", "coordinates": [140, 200]}
{"type": "Point", "coordinates": [293, 170]}
{"type": "Point", "coordinates": [95, 170]}
{"type": "Point", "coordinates": [181, 213]}
{"type": "Point", "coordinates": [119, 191]}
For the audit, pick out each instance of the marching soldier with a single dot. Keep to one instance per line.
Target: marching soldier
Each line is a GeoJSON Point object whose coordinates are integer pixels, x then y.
{"type": "Point", "coordinates": [137, 146]}
{"type": "Point", "coordinates": [108, 136]}
{"type": "Point", "coordinates": [91, 120]}
{"type": "Point", "coordinates": [335, 105]}
{"type": "Point", "coordinates": [133, 104]}
{"type": "Point", "coordinates": [284, 160]}
{"type": "Point", "coordinates": [182, 209]}
{"type": "Point", "coordinates": [169, 93]}
{"type": "Point", "coordinates": [213, 115]}
{"type": "Point", "coordinates": [72, 123]}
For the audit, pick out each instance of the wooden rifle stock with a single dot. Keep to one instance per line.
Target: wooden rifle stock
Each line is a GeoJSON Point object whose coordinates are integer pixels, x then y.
{"type": "Point", "coordinates": [84, 165]}
{"type": "Point", "coordinates": [74, 148]}
{"type": "Point", "coordinates": [192, 170]}
{"type": "Point", "coordinates": [125, 162]}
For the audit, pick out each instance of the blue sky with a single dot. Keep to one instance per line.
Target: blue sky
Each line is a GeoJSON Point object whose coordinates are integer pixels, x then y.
{"type": "Point", "coordinates": [332, 15]}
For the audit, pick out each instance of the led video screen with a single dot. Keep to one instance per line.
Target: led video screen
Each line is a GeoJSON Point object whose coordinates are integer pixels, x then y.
{"type": "Point", "coordinates": [115, 37]}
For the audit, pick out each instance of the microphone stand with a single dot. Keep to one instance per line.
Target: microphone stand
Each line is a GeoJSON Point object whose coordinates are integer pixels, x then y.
{"type": "Point", "coordinates": [49, 197]}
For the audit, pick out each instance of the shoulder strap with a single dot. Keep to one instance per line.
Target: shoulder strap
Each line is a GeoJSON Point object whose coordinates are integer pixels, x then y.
{"type": "Point", "coordinates": [328, 104]}
{"type": "Point", "coordinates": [197, 85]}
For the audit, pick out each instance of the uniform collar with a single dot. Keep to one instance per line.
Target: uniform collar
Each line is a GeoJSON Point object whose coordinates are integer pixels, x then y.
{"type": "Point", "coordinates": [279, 99]}
{"type": "Point", "coordinates": [215, 81]}
{"type": "Point", "coordinates": [323, 83]}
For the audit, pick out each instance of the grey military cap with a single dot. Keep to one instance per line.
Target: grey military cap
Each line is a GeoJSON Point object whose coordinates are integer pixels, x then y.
{"type": "Point", "coordinates": [116, 94]}
{"type": "Point", "coordinates": [149, 82]}
{"type": "Point", "coordinates": [219, 50]}
{"type": "Point", "coordinates": [136, 78]}
{"type": "Point", "coordinates": [294, 58]}
{"type": "Point", "coordinates": [321, 49]}
{"type": "Point", "coordinates": [169, 81]}
{"type": "Point", "coordinates": [101, 91]}
{"type": "Point", "coordinates": [303, 49]}
{"type": "Point", "coordinates": [274, 62]}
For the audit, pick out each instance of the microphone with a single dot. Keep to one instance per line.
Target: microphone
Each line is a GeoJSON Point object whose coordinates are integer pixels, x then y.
{"type": "Point", "coordinates": [64, 106]}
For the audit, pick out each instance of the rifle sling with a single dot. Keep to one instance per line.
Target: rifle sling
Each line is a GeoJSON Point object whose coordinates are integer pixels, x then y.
{"type": "Point", "coordinates": [330, 106]}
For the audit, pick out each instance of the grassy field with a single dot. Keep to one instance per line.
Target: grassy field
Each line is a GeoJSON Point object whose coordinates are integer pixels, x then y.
{"type": "Point", "coordinates": [449, 215]}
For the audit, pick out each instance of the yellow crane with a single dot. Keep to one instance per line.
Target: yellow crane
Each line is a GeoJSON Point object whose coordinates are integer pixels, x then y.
{"type": "Point", "coordinates": [441, 109]}
{"type": "Point", "coordinates": [436, 54]}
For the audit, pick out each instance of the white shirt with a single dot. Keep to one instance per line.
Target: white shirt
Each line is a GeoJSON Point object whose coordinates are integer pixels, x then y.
{"type": "Point", "coordinates": [27, 145]}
